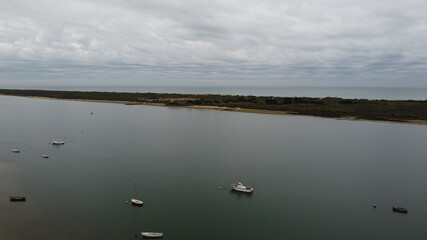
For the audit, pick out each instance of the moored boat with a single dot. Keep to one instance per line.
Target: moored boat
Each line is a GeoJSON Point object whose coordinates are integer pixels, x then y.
{"type": "Point", "coordinates": [17, 198]}
{"type": "Point", "coordinates": [399, 209]}
{"type": "Point", "coordinates": [15, 150]}
{"type": "Point", "coordinates": [57, 142]}
{"type": "Point", "coordinates": [242, 188]}
{"type": "Point", "coordinates": [137, 202]}
{"type": "Point", "coordinates": [152, 234]}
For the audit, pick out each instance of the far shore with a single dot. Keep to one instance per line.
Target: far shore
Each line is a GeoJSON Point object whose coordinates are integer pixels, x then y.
{"type": "Point", "coordinates": [220, 108]}
{"type": "Point", "coordinates": [165, 105]}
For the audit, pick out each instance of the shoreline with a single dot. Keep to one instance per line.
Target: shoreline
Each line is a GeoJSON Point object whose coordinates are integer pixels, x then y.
{"type": "Point", "coordinates": [219, 108]}
{"type": "Point", "coordinates": [131, 103]}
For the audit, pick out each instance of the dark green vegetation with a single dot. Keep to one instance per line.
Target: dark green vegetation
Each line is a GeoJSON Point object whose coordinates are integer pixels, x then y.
{"type": "Point", "coordinates": [384, 110]}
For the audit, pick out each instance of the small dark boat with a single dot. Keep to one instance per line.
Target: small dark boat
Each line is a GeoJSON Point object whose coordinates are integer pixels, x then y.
{"type": "Point", "coordinates": [399, 209]}
{"type": "Point", "coordinates": [17, 199]}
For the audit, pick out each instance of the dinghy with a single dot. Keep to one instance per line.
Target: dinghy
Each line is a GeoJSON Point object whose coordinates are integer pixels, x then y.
{"type": "Point", "coordinates": [137, 202]}
{"type": "Point", "coordinates": [152, 234]}
{"type": "Point", "coordinates": [399, 209]}
{"type": "Point", "coordinates": [57, 142]}
{"type": "Point", "coordinates": [17, 199]}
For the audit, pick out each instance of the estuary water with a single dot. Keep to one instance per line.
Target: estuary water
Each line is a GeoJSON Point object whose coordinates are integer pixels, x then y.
{"type": "Point", "coordinates": [314, 178]}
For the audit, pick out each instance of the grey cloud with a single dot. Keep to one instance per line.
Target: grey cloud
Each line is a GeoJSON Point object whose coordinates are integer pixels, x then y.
{"type": "Point", "coordinates": [357, 43]}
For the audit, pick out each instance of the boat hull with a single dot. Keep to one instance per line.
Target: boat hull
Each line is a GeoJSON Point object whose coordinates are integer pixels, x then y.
{"type": "Point", "coordinates": [244, 190]}
{"type": "Point", "coordinates": [152, 234]}
{"type": "Point", "coordinates": [239, 187]}
{"type": "Point", "coordinates": [136, 202]}
{"type": "Point", "coordinates": [399, 209]}
{"type": "Point", "coordinates": [17, 199]}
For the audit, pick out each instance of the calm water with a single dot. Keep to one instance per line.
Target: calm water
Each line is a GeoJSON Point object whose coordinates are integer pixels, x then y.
{"type": "Point", "coordinates": [388, 93]}
{"type": "Point", "coordinates": [314, 178]}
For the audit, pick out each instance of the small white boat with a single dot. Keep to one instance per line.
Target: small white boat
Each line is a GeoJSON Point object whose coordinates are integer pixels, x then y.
{"type": "Point", "coordinates": [57, 142]}
{"type": "Point", "coordinates": [45, 156]}
{"type": "Point", "coordinates": [242, 188]}
{"type": "Point", "coordinates": [137, 202]}
{"type": "Point", "coordinates": [15, 150]}
{"type": "Point", "coordinates": [152, 234]}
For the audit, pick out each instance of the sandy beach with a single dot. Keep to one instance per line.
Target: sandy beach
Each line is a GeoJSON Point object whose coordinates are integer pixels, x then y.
{"type": "Point", "coordinates": [164, 105]}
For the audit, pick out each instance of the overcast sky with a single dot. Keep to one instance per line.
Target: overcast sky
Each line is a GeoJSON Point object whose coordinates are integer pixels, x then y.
{"type": "Point", "coordinates": [214, 43]}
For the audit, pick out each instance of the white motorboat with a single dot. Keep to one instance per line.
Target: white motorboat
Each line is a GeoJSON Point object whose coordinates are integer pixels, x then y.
{"type": "Point", "coordinates": [137, 202]}
{"type": "Point", "coordinates": [57, 142]}
{"type": "Point", "coordinates": [45, 156]}
{"type": "Point", "coordinates": [15, 150]}
{"type": "Point", "coordinates": [152, 234]}
{"type": "Point", "coordinates": [242, 188]}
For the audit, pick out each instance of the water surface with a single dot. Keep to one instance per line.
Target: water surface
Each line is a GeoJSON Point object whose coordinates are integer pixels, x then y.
{"type": "Point", "coordinates": [314, 178]}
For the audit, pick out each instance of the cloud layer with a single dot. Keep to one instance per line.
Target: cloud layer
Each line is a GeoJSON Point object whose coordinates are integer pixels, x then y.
{"type": "Point", "coordinates": [241, 42]}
